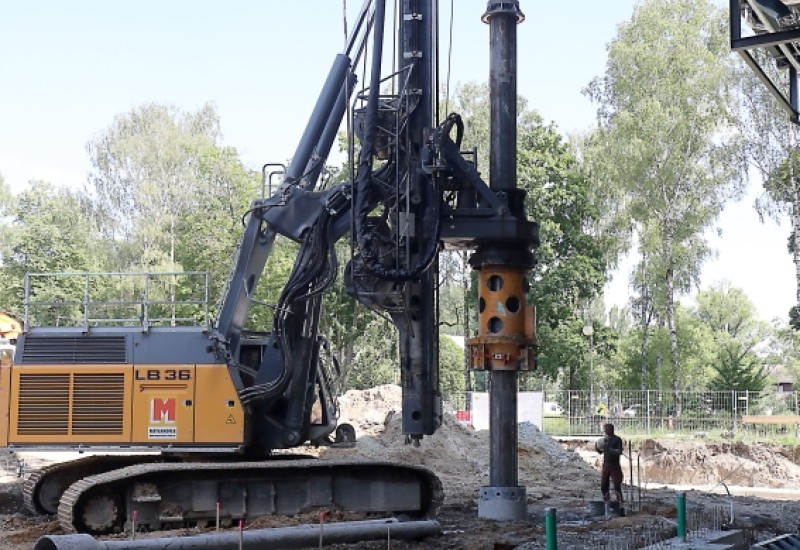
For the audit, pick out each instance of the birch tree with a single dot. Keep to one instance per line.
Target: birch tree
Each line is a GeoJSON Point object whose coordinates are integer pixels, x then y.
{"type": "Point", "coordinates": [147, 172]}
{"type": "Point", "coordinates": [665, 110]}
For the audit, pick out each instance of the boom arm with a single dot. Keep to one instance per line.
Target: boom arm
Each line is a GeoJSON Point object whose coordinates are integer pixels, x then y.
{"type": "Point", "coordinates": [413, 193]}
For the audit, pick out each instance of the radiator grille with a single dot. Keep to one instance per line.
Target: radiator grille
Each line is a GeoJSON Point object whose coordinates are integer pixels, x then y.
{"type": "Point", "coordinates": [43, 404]}
{"type": "Point", "coordinates": [74, 349]}
{"type": "Point", "coordinates": [96, 403]}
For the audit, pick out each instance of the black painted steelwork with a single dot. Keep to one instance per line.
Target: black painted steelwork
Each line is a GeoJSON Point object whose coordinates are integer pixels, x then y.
{"type": "Point", "coordinates": [782, 542]}
{"type": "Point", "coordinates": [419, 325]}
{"type": "Point", "coordinates": [413, 192]}
{"type": "Point", "coordinates": [779, 41]}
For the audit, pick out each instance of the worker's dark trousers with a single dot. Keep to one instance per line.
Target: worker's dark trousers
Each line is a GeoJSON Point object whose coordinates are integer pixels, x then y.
{"type": "Point", "coordinates": [611, 473]}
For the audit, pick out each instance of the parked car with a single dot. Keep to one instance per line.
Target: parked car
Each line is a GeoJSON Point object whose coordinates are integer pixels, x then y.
{"type": "Point", "coordinates": [552, 408]}
{"type": "Point", "coordinates": [632, 410]}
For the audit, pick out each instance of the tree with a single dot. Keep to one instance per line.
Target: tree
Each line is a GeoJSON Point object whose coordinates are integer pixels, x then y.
{"type": "Point", "coordinates": [456, 296]}
{"type": "Point", "coordinates": [148, 171]}
{"type": "Point", "coordinates": [376, 358]}
{"type": "Point", "coordinates": [665, 113]}
{"type": "Point", "coordinates": [697, 350]}
{"type": "Point", "coordinates": [49, 233]}
{"type": "Point", "coordinates": [6, 198]}
{"type": "Point", "coordinates": [210, 227]}
{"type": "Point", "coordinates": [572, 260]}
{"type": "Point", "coordinates": [731, 316]}
{"type": "Point", "coordinates": [782, 363]}
{"type": "Point", "coordinates": [451, 365]}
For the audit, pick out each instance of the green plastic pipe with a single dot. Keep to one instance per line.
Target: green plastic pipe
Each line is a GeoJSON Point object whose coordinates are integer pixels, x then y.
{"type": "Point", "coordinates": [550, 528]}
{"type": "Point", "coordinates": [682, 516]}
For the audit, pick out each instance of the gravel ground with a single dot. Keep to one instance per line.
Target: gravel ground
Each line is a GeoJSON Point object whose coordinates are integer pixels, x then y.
{"type": "Point", "coordinates": [556, 474]}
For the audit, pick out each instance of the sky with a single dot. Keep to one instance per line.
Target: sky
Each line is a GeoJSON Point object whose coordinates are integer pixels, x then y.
{"type": "Point", "coordinates": [67, 69]}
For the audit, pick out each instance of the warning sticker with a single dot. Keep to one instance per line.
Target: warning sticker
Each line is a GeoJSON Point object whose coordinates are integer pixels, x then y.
{"type": "Point", "coordinates": [154, 432]}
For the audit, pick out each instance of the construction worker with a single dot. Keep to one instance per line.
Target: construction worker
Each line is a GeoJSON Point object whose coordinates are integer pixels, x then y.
{"type": "Point", "coordinates": [601, 409]}
{"type": "Point", "coordinates": [611, 448]}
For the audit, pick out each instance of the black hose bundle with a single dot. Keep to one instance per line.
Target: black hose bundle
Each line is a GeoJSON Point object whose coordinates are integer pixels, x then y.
{"type": "Point", "coordinates": [314, 271]}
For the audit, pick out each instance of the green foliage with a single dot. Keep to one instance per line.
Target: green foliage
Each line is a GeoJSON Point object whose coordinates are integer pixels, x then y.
{"type": "Point", "coordinates": [783, 357]}
{"type": "Point", "coordinates": [451, 365]}
{"type": "Point", "coordinates": [208, 228]}
{"type": "Point", "coordinates": [376, 357]}
{"type": "Point", "coordinates": [781, 183]}
{"type": "Point", "coordinates": [770, 138]}
{"type": "Point", "coordinates": [578, 360]}
{"type": "Point", "coordinates": [167, 196]}
{"type": "Point", "coordinates": [697, 351]}
{"type": "Point", "coordinates": [453, 270]}
{"type": "Point", "coordinates": [736, 372]}
{"type": "Point", "coordinates": [6, 198]}
{"type": "Point", "coordinates": [664, 150]}
{"type": "Point", "coordinates": [737, 332]}
{"type": "Point", "coordinates": [571, 261]}
{"type": "Point", "coordinates": [350, 326]}
{"type": "Point", "coordinates": [782, 195]}
{"type": "Point", "coordinates": [150, 168]}
{"type": "Point", "coordinates": [49, 232]}
{"type": "Point", "coordinates": [718, 347]}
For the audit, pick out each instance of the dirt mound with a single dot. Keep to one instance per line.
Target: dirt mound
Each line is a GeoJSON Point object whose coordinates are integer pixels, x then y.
{"type": "Point", "coordinates": [735, 463]}
{"type": "Point", "coordinates": [458, 454]}
{"type": "Point", "coordinates": [366, 410]}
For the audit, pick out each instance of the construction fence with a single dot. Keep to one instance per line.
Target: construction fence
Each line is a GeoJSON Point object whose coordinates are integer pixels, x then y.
{"type": "Point", "coordinates": [649, 412]}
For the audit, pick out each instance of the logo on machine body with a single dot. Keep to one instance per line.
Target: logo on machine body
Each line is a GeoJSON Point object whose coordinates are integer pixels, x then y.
{"type": "Point", "coordinates": [162, 419]}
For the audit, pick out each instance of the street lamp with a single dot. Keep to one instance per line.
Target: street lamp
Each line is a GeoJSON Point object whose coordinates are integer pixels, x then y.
{"type": "Point", "coordinates": [588, 330]}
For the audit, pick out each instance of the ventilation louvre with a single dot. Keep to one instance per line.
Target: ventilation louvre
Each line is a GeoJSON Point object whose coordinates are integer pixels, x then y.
{"type": "Point", "coordinates": [71, 404]}
{"type": "Point", "coordinates": [43, 404]}
{"type": "Point", "coordinates": [71, 350]}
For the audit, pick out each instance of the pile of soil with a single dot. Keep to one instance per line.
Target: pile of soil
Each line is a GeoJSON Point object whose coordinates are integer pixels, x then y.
{"type": "Point", "coordinates": [366, 410]}
{"type": "Point", "coordinates": [460, 457]}
{"type": "Point", "coordinates": [734, 463]}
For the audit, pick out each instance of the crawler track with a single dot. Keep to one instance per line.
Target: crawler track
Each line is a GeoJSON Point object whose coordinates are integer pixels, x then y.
{"type": "Point", "coordinates": [168, 495]}
{"type": "Point", "coordinates": [43, 489]}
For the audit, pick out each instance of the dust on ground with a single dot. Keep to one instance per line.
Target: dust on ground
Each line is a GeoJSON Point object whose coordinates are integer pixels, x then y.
{"type": "Point", "coordinates": [563, 475]}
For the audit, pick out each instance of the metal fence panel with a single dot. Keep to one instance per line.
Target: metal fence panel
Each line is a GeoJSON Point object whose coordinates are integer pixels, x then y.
{"type": "Point", "coordinates": [659, 413]}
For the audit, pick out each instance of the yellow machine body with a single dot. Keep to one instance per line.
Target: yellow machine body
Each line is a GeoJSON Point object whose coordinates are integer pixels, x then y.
{"type": "Point", "coordinates": [10, 326]}
{"type": "Point", "coordinates": [89, 405]}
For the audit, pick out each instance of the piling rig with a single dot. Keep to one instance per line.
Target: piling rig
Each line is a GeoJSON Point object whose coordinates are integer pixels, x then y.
{"type": "Point", "coordinates": [217, 401]}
